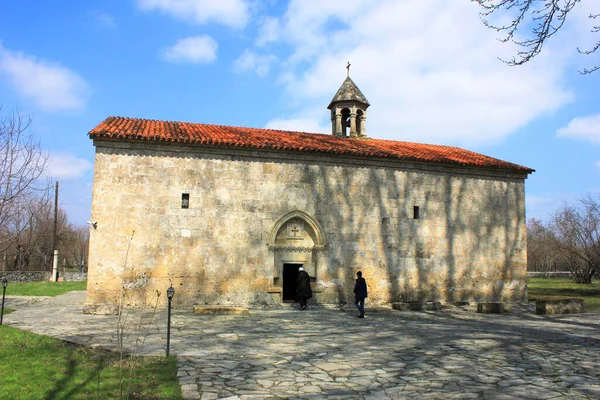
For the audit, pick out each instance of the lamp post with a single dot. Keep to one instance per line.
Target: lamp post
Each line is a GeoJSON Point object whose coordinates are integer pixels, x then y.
{"type": "Point", "coordinates": [170, 293]}
{"type": "Point", "coordinates": [4, 284]}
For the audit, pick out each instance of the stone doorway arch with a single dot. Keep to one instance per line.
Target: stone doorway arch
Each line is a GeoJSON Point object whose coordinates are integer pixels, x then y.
{"type": "Point", "coordinates": [296, 239]}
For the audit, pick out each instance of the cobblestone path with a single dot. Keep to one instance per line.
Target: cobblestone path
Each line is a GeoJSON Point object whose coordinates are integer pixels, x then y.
{"type": "Point", "coordinates": [331, 354]}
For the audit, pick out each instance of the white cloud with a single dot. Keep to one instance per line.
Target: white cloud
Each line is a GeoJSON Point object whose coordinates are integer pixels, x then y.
{"type": "Point", "coordinates": [64, 166]}
{"type": "Point", "coordinates": [50, 86]}
{"type": "Point", "coordinates": [104, 19]}
{"type": "Point", "coordinates": [195, 49]}
{"type": "Point", "coordinates": [233, 13]}
{"type": "Point", "coordinates": [545, 205]}
{"type": "Point", "coordinates": [585, 128]}
{"type": "Point", "coordinates": [251, 61]}
{"type": "Point", "coordinates": [430, 70]}
{"type": "Point", "coordinates": [269, 31]}
{"type": "Point", "coordinates": [306, 124]}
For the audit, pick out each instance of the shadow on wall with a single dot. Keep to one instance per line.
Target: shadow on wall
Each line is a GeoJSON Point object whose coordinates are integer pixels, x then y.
{"type": "Point", "coordinates": [367, 215]}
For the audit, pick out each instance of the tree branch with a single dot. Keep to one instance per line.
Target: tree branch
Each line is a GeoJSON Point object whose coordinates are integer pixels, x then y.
{"type": "Point", "coordinates": [537, 20]}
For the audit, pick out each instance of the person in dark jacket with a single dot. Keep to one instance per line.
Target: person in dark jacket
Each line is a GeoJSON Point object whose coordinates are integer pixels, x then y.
{"type": "Point", "coordinates": [303, 289]}
{"type": "Point", "coordinates": [360, 293]}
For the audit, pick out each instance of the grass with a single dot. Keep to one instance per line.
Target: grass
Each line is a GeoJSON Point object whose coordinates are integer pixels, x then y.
{"type": "Point", "coordinates": [43, 288]}
{"type": "Point", "coordinates": [560, 288]}
{"type": "Point", "coordinates": [40, 367]}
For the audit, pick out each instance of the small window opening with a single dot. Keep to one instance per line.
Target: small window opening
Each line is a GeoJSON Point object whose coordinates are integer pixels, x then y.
{"type": "Point", "coordinates": [185, 200]}
{"type": "Point", "coordinates": [416, 212]}
{"type": "Point", "coordinates": [359, 123]}
{"type": "Point", "coordinates": [345, 122]}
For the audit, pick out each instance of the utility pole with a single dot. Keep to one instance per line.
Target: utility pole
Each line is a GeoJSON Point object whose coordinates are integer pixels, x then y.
{"type": "Point", "coordinates": [55, 250]}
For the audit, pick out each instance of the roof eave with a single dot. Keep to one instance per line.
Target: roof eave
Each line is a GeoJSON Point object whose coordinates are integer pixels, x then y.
{"type": "Point", "coordinates": [332, 103]}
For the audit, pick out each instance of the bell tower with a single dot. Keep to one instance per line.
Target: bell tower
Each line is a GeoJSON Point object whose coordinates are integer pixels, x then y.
{"type": "Point", "coordinates": [349, 111]}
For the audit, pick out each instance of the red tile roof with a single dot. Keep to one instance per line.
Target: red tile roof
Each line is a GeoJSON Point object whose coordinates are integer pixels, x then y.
{"type": "Point", "coordinates": [234, 136]}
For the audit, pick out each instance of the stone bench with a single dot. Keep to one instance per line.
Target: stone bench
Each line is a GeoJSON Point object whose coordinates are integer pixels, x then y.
{"type": "Point", "coordinates": [417, 306]}
{"type": "Point", "coordinates": [492, 308]}
{"type": "Point", "coordinates": [219, 310]}
{"type": "Point", "coordinates": [559, 306]}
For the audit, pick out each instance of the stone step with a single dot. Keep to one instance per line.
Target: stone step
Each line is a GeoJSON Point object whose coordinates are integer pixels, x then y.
{"type": "Point", "coordinates": [220, 310]}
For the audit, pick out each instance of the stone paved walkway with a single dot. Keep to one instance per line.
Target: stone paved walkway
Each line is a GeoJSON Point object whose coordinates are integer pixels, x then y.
{"type": "Point", "coordinates": [331, 354]}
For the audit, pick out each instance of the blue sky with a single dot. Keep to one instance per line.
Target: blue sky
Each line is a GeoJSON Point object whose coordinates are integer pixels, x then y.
{"type": "Point", "coordinates": [429, 68]}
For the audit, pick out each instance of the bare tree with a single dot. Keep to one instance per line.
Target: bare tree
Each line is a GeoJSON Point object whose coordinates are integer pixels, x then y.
{"type": "Point", "coordinates": [25, 234]}
{"type": "Point", "coordinates": [31, 248]}
{"type": "Point", "coordinates": [577, 232]}
{"type": "Point", "coordinates": [79, 252]}
{"type": "Point", "coordinates": [539, 19]}
{"type": "Point", "coordinates": [542, 253]}
{"type": "Point", "coordinates": [26, 212]}
{"type": "Point", "coordinates": [22, 184]}
{"type": "Point", "coordinates": [73, 242]}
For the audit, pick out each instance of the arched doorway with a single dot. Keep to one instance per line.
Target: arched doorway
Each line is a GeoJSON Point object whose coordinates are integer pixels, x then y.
{"type": "Point", "coordinates": [296, 240]}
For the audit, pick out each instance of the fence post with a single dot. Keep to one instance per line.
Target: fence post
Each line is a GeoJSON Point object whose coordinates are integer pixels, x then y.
{"type": "Point", "coordinates": [55, 267]}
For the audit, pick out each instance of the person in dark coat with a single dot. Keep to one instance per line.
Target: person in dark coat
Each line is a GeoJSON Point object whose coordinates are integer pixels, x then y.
{"type": "Point", "coordinates": [360, 293]}
{"type": "Point", "coordinates": [303, 289]}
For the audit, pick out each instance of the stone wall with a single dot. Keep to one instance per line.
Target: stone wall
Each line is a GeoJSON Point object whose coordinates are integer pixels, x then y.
{"type": "Point", "coordinates": [25, 276]}
{"type": "Point", "coordinates": [37, 276]}
{"type": "Point", "coordinates": [229, 246]}
{"type": "Point", "coordinates": [557, 274]}
{"type": "Point", "coordinates": [69, 276]}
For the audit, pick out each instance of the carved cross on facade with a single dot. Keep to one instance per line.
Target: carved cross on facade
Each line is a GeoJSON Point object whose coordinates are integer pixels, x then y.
{"type": "Point", "coordinates": [295, 231]}
{"type": "Point", "coordinates": [348, 68]}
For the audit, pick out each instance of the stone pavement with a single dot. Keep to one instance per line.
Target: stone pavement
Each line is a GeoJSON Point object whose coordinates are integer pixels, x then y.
{"type": "Point", "coordinates": [330, 354]}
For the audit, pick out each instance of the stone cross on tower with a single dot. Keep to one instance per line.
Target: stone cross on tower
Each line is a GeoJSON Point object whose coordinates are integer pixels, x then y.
{"type": "Point", "coordinates": [348, 68]}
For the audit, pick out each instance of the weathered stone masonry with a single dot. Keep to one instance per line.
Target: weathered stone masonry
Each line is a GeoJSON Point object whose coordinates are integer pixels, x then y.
{"type": "Point", "coordinates": [353, 213]}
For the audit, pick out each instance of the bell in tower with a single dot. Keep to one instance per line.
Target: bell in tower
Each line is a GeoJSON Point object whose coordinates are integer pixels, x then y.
{"type": "Point", "coordinates": [349, 111]}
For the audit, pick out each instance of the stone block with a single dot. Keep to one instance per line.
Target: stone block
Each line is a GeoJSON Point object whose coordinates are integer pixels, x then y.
{"type": "Point", "coordinates": [417, 306]}
{"type": "Point", "coordinates": [432, 306]}
{"type": "Point", "coordinates": [559, 306]}
{"type": "Point", "coordinates": [492, 308]}
{"type": "Point", "coordinates": [219, 310]}
{"type": "Point", "coordinates": [102, 309]}
{"type": "Point", "coordinates": [462, 303]}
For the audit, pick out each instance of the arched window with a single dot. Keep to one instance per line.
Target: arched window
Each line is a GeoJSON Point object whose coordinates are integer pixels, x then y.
{"type": "Point", "coordinates": [345, 122]}
{"type": "Point", "coordinates": [359, 123]}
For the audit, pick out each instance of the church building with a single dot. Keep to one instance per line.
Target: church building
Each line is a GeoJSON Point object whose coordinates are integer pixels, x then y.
{"type": "Point", "coordinates": [227, 215]}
